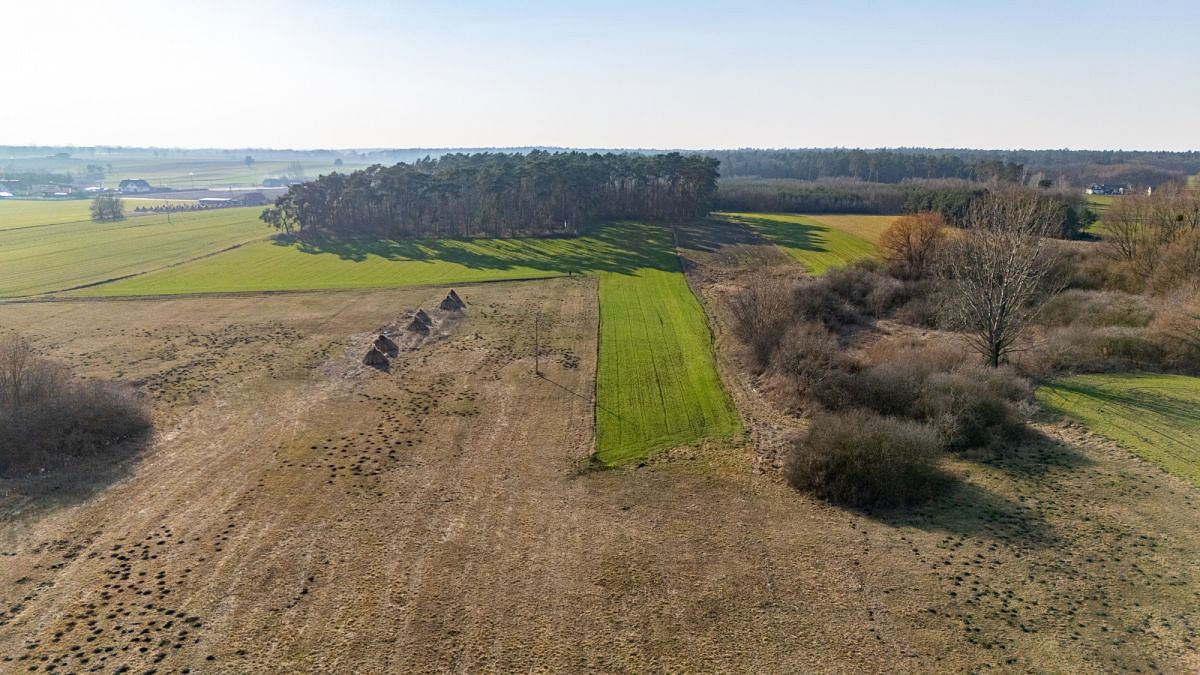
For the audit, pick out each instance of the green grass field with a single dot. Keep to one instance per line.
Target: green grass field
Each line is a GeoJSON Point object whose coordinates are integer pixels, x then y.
{"type": "Point", "coordinates": [271, 265]}
{"type": "Point", "coordinates": [1155, 416]}
{"type": "Point", "coordinates": [819, 243]}
{"type": "Point", "coordinates": [656, 383]}
{"type": "Point", "coordinates": [22, 213]}
{"type": "Point", "coordinates": [57, 256]}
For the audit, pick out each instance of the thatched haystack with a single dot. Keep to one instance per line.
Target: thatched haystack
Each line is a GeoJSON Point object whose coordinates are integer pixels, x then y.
{"type": "Point", "coordinates": [424, 318]}
{"type": "Point", "coordinates": [376, 359]}
{"type": "Point", "coordinates": [384, 344]}
{"type": "Point", "coordinates": [418, 326]}
{"type": "Point", "coordinates": [452, 303]}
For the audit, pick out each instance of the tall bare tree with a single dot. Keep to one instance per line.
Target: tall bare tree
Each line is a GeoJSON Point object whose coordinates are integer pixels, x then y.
{"type": "Point", "coordinates": [998, 271]}
{"type": "Point", "coordinates": [16, 363]}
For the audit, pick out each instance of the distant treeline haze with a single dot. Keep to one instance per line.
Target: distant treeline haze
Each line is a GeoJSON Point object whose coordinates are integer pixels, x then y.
{"type": "Point", "coordinates": [875, 166]}
{"type": "Point", "coordinates": [499, 195]}
{"type": "Point", "coordinates": [1063, 168]}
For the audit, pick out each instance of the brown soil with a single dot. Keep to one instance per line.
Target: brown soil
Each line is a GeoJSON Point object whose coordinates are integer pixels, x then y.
{"type": "Point", "coordinates": [299, 512]}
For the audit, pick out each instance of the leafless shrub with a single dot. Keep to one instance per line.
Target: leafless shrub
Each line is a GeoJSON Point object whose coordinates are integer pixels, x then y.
{"type": "Point", "coordinates": [1177, 264]}
{"type": "Point", "coordinates": [972, 407]}
{"type": "Point", "coordinates": [47, 418]}
{"type": "Point", "coordinates": [1176, 329]}
{"type": "Point", "coordinates": [1141, 229]}
{"type": "Point", "coordinates": [1083, 349]}
{"type": "Point", "coordinates": [809, 359]}
{"type": "Point", "coordinates": [760, 314]}
{"type": "Point", "coordinates": [1097, 308]}
{"type": "Point", "coordinates": [862, 459]}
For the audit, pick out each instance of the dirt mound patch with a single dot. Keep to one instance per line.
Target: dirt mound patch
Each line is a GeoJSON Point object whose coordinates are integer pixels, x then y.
{"type": "Point", "coordinates": [385, 344]}
{"type": "Point", "coordinates": [452, 303]}
{"type": "Point", "coordinates": [376, 359]}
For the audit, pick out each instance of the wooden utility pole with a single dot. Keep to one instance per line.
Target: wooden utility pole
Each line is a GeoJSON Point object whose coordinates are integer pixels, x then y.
{"type": "Point", "coordinates": [537, 350]}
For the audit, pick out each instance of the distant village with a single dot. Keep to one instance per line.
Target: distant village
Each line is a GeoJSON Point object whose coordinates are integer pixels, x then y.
{"type": "Point", "coordinates": [137, 188]}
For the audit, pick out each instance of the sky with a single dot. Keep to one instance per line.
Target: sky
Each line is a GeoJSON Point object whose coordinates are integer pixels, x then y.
{"type": "Point", "coordinates": [612, 74]}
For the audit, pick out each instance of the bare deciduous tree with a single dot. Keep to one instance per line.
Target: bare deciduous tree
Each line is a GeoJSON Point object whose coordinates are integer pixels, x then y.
{"type": "Point", "coordinates": [998, 271]}
{"type": "Point", "coordinates": [1140, 228]}
{"type": "Point", "coordinates": [911, 243]}
{"type": "Point", "coordinates": [16, 362]}
{"type": "Point", "coordinates": [107, 207]}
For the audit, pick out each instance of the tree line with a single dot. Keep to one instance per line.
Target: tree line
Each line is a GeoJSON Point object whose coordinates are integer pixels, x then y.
{"type": "Point", "coordinates": [876, 166]}
{"type": "Point", "coordinates": [1061, 168]}
{"type": "Point", "coordinates": [498, 195]}
{"type": "Point", "coordinates": [950, 198]}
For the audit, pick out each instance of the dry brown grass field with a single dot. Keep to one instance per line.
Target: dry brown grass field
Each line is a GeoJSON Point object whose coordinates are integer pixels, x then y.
{"type": "Point", "coordinates": [297, 512]}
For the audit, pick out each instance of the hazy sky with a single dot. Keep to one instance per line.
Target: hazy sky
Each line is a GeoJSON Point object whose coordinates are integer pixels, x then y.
{"type": "Point", "coordinates": [617, 73]}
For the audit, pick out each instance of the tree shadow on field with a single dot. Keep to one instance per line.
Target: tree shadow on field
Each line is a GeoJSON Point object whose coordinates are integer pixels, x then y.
{"type": "Point", "coordinates": [69, 482]}
{"type": "Point", "coordinates": [712, 235]}
{"type": "Point", "coordinates": [1037, 456]}
{"type": "Point", "coordinates": [802, 236]}
{"type": "Point", "coordinates": [623, 248]}
{"type": "Point", "coordinates": [970, 510]}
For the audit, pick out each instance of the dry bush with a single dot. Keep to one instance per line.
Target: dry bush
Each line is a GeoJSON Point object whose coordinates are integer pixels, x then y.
{"type": "Point", "coordinates": [893, 381]}
{"type": "Point", "coordinates": [1176, 329]}
{"type": "Point", "coordinates": [1096, 309]}
{"type": "Point", "coordinates": [809, 360]}
{"type": "Point", "coordinates": [48, 419]}
{"type": "Point", "coordinates": [760, 313]}
{"type": "Point", "coordinates": [890, 388]}
{"type": "Point", "coordinates": [862, 459]}
{"type": "Point", "coordinates": [970, 405]}
{"type": "Point", "coordinates": [1156, 236]}
{"type": "Point", "coordinates": [848, 296]}
{"type": "Point", "coordinates": [1178, 263]}
{"type": "Point", "coordinates": [1084, 349]}
{"type": "Point", "coordinates": [973, 407]}
{"type": "Point", "coordinates": [911, 244]}
{"type": "Point", "coordinates": [1091, 266]}
{"type": "Point", "coordinates": [815, 300]}
{"type": "Point", "coordinates": [922, 311]}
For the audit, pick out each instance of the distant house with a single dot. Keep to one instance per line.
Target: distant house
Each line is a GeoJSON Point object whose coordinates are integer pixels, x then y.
{"type": "Point", "coordinates": [276, 182]}
{"type": "Point", "coordinates": [53, 190]}
{"type": "Point", "coordinates": [214, 202]}
{"type": "Point", "coordinates": [254, 199]}
{"type": "Point", "coordinates": [134, 186]}
{"type": "Point", "coordinates": [1108, 189]}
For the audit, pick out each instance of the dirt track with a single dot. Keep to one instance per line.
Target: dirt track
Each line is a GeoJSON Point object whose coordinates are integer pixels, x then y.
{"type": "Point", "coordinates": [298, 513]}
